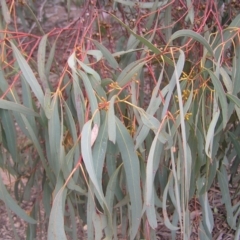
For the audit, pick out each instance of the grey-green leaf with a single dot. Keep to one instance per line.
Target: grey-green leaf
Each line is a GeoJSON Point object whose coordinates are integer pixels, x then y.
{"type": "Point", "coordinates": [28, 74]}
{"type": "Point", "coordinates": [111, 60]}
{"type": "Point", "coordinates": [132, 169]}
{"type": "Point", "coordinates": [56, 220]}
{"type": "Point", "coordinates": [4, 104]}
{"type": "Point", "coordinates": [7, 199]}
{"type": "Point", "coordinates": [193, 35]}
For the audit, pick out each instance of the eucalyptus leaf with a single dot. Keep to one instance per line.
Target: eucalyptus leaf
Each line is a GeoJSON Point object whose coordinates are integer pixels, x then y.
{"type": "Point", "coordinates": [131, 167]}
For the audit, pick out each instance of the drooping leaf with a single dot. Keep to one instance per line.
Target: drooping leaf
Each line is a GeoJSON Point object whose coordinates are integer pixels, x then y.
{"type": "Point", "coordinates": [88, 157]}
{"type": "Point", "coordinates": [54, 132]}
{"type": "Point", "coordinates": [151, 169]}
{"type": "Point", "coordinates": [99, 151]}
{"type": "Point", "coordinates": [222, 97]}
{"type": "Point", "coordinates": [126, 75]}
{"type": "Point", "coordinates": [210, 134]}
{"type": "Point", "coordinates": [141, 4]}
{"type": "Point", "coordinates": [111, 120]}
{"type": "Point", "coordinates": [193, 35]}
{"type": "Point", "coordinates": [10, 133]}
{"type": "Point", "coordinates": [41, 61]}
{"type": "Point", "coordinates": [50, 59]}
{"type": "Point", "coordinates": [234, 99]}
{"type": "Point", "coordinates": [226, 198]}
{"type": "Point", "coordinates": [131, 167]}
{"type": "Point", "coordinates": [28, 74]}
{"type": "Point", "coordinates": [91, 96]}
{"type": "Point", "coordinates": [7, 199]}
{"type": "Point", "coordinates": [5, 12]}
{"type": "Point", "coordinates": [208, 222]}
{"type": "Point", "coordinates": [4, 104]}
{"type": "Point", "coordinates": [164, 208]}
{"type": "Point", "coordinates": [111, 60]}
{"type": "Point", "coordinates": [56, 220]}
{"type": "Point", "coordinates": [96, 54]}
{"type": "Point", "coordinates": [89, 70]}
{"type": "Point", "coordinates": [110, 192]}
{"type": "Point", "coordinates": [190, 14]}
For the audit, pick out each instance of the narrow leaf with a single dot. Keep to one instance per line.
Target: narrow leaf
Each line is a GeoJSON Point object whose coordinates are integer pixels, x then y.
{"type": "Point", "coordinates": [5, 12]}
{"type": "Point", "coordinates": [91, 96]}
{"type": "Point", "coordinates": [131, 167]}
{"type": "Point", "coordinates": [127, 74]}
{"type": "Point", "coordinates": [222, 97]}
{"type": "Point", "coordinates": [96, 54]}
{"type": "Point", "coordinates": [4, 104]}
{"type": "Point", "coordinates": [226, 198]}
{"type": "Point", "coordinates": [56, 220]}
{"type": "Point", "coordinates": [210, 134]}
{"type": "Point", "coordinates": [7, 199]}
{"type": "Point", "coordinates": [193, 35]}
{"type": "Point", "coordinates": [28, 74]}
{"type": "Point", "coordinates": [111, 121]}
{"type": "Point", "coordinates": [41, 61]}
{"type": "Point", "coordinates": [87, 156]}
{"type": "Point", "coordinates": [164, 207]}
{"type": "Point", "coordinates": [111, 60]}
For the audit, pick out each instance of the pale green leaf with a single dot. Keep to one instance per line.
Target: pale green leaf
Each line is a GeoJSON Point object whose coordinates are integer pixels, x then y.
{"type": "Point", "coordinates": [54, 132]}
{"type": "Point", "coordinates": [89, 70]}
{"type": "Point", "coordinates": [5, 12]}
{"type": "Point", "coordinates": [222, 96]}
{"type": "Point", "coordinates": [7, 199]}
{"type": "Point", "coordinates": [99, 224]}
{"type": "Point", "coordinates": [111, 60]}
{"type": "Point", "coordinates": [151, 169]}
{"type": "Point", "coordinates": [41, 61]}
{"type": "Point", "coordinates": [208, 221]}
{"type": "Point", "coordinates": [128, 73]}
{"type": "Point", "coordinates": [38, 147]}
{"type": "Point", "coordinates": [78, 100]}
{"type": "Point", "coordinates": [152, 16]}
{"type": "Point", "coordinates": [28, 74]}
{"type": "Point", "coordinates": [91, 96]}
{"type": "Point", "coordinates": [99, 151]}
{"type": "Point", "coordinates": [88, 158]}
{"type": "Point", "coordinates": [226, 198]}
{"type": "Point", "coordinates": [10, 133]}
{"type": "Point", "coordinates": [111, 120]}
{"type": "Point", "coordinates": [210, 134]}
{"type": "Point", "coordinates": [164, 207]}
{"type": "Point", "coordinates": [234, 99]}
{"type": "Point", "coordinates": [56, 220]}
{"type": "Point", "coordinates": [112, 184]}
{"type": "Point", "coordinates": [28, 102]}
{"type": "Point", "coordinates": [141, 4]}
{"type": "Point", "coordinates": [190, 14]}
{"type": "Point", "coordinates": [4, 104]}
{"type": "Point", "coordinates": [50, 59]}
{"type": "Point", "coordinates": [131, 167]}
{"type": "Point", "coordinates": [96, 54]}
{"type": "Point", "coordinates": [193, 35]}
{"type": "Point", "coordinates": [73, 219]}
{"type": "Point", "coordinates": [90, 210]}
{"type": "Point", "coordinates": [73, 131]}
{"type": "Point", "coordinates": [47, 104]}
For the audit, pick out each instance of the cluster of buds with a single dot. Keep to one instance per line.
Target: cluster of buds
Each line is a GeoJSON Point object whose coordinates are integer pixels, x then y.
{"type": "Point", "coordinates": [185, 95]}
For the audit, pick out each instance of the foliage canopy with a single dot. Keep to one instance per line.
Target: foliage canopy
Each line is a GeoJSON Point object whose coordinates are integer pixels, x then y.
{"type": "Point", "coordinates": [125, 116]}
